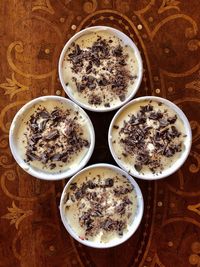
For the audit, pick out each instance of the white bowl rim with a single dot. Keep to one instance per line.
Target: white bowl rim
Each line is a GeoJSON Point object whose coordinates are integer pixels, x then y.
{"type": "Point", "coordinates": [139, 212]}
{"type": "Point", "coordinates": [40, 174]}
{"type": "Point", "coordinates": [137, 54]}
{"type": "Point", "coordinates": [184, 155]}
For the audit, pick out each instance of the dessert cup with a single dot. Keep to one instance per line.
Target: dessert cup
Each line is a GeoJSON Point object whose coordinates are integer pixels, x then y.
{"type": "Point", "coordinates": [19, 140]}
{"type": "Point", "coordinates": [89, 171]}
{"type": "Point", "coordinates": [118, 147]}
{"type": "Point", "coordinates": [74, 93]}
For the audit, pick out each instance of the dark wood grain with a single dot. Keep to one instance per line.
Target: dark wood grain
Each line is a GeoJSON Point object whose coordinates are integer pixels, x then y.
{"type": "Point", "coordinates": [32, 35]}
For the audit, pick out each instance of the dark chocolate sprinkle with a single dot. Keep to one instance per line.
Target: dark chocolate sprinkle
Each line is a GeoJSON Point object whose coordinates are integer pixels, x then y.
{"type": "Point", "coordinates": [137, 134]}
{"type": "Point", "coordinates": [115, 78]}
{"type": "Point", "coordinates": [109, 182]}
{"type": "Point", "coordinates": [39, 136]}
{"type": "Point", "coordinates": [52, 135]}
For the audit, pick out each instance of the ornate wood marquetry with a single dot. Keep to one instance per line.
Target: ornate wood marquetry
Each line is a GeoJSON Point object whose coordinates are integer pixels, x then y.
{"type": "Point", "coordinates": [32, 36]}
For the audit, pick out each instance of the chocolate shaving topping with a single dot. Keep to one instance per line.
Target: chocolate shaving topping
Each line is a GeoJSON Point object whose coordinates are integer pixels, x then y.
{"type": "Point", "coordinates": [35, 138]}
{"type": "Point", "coordinates": [55, 157]}
{"type": "Point", "coordinates": [44, 114]}
{"type": "Point", "coordinates": [91, 185]}
{"type": "Point", "coordinates": [149, 144]}
{"type": "Point", "coordinates": [107, 105]}
{"type": "Point", "coordinates": [44, 158]}
{"type": "Point", "coordinates": [52, 166]}
{"type": "Point", "coordinates": [138, 167]}
{"type": "Point", "coordinates": [95, 100]}
{"type": "Point", "coordinates": [34, 127]}
{"type": "Point", "coordinates": [72, 198]}
{"type": "Point", "coordinates": [53, 137]}
{"type": "Point", "coordinates": [118, 51]}
{"type": "Point", "coordinates": [102, 66]}
{"type": "Point", "coordinates": [42, 125]}
{"type": "Point", "coordinates": [163, 122]}
{"type": "Point", "coordinates": [146, 108]}
{"type": "Point", "coordinates": [31, 156]}
{"type": "Point", "coordinates": [73, 186]}
{"type": "Point", "coordinates": [91, 199]}
{"type": "Point", "coordinates": [155, 115]}
{"type": "Point", "coordinates": [109, 182]}
{"type": "Point", "coordinates": [78, 194]}
{"type": "Point", "coordinates": [122, 190]}
{"type": "Point", "coordinates": [172, 120]}
{"type": "Point", "coordinates": [120, 208]}
{"type": "Point", "coordinates": [122, 97]}
{"type": "Point", "coordinates": [110, 225]}
{"type": "Point", "coordinates": [127, 201]}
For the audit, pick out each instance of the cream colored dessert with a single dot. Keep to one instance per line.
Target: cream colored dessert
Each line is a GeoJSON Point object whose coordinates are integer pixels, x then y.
{"type": "Point", "coordinates": [100, 205]}
{"type": "Point", "coordinates": [99, 70]}
{"type": "Point", "coordinates": [53, 137]}
{"type": "Point", "coordinates": [148, 137]}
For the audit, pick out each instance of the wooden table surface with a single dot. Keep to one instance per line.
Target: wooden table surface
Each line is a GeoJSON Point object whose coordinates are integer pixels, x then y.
{"type": "Point", "coordinates": [32, 34]}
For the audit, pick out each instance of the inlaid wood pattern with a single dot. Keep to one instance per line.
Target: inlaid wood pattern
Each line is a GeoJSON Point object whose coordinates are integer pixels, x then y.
{"type": "Point", "coordinates": [32, 34]}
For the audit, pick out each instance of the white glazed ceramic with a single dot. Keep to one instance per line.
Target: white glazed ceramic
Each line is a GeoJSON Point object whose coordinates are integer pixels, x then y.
{"type": "Point", "coordinates": [187, 140]}
{"type": "Point", "coordinates": [38, 172]}
{"type": "Point", "coordinates": [133, 226]}
{"type": "Point", "coordinates": [126, 40]}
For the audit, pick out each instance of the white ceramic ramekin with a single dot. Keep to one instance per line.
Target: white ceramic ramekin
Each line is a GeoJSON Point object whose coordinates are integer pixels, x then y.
{"type": "Point", "coordinates": [127, 41]}
{"type": "Point", "coordinates": [187, 141]}
{"type": "Point", "coordinates": [136, 221]}
{"type": "Point", "coordinates": [38, 172]}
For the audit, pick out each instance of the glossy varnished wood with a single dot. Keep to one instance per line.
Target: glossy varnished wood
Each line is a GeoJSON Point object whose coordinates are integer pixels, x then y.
{"type": "Point", "coordinates": [32, 34]}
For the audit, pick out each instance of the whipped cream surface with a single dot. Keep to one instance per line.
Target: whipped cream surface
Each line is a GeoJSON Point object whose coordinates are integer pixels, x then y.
{"type": "Point", "coordinates": [99, 70]}
{"type": "Point", "coordinates": [100, 205]}
{"type": "Point", "coordinates": [52, 136]}
{"type": "Point", "coordinates": [148, 137]}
